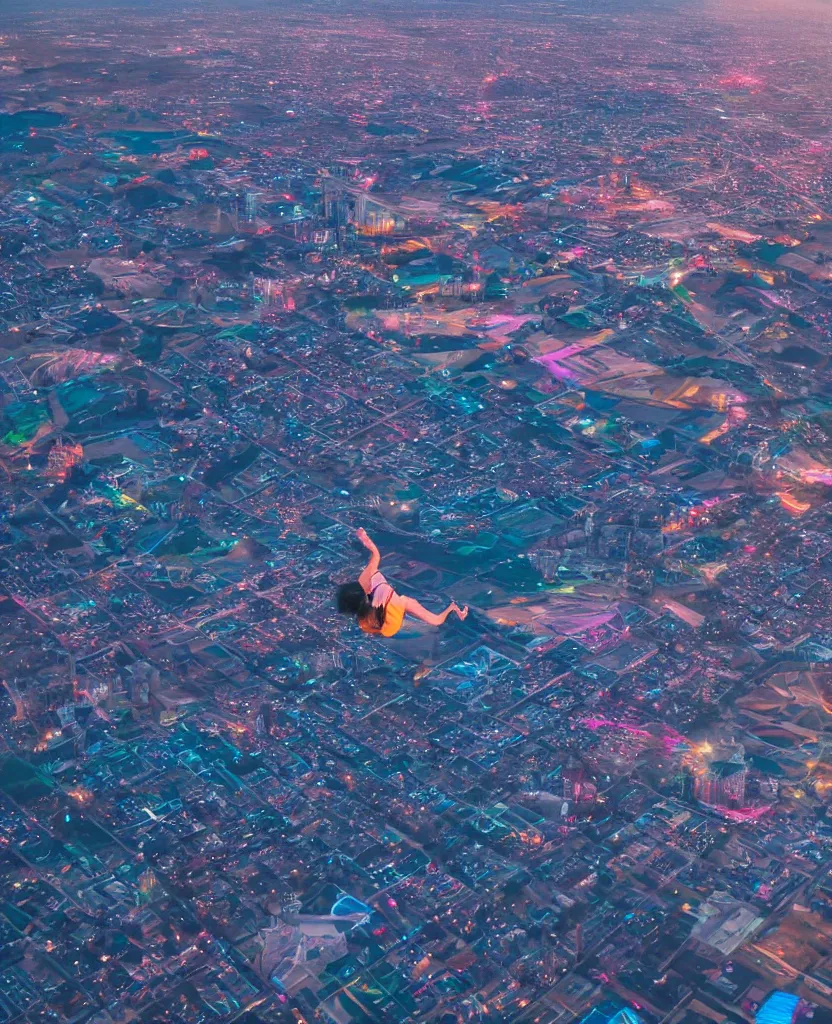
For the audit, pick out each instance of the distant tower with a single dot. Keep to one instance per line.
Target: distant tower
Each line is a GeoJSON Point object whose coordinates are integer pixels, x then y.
{"type": "Point", "coordinates": [61, 460]}
{"type": "Point", "coordinates": [330, 206]}
{"type": "Point", "coordinates": [148, 888]}
{"type": "Point", "coordinates": [251, 207]}
{"type": "Point", "coordinates": [264, 720]}
{"type": "Point", "coordinates": [722, 785]}
{"type": "Point", "coordinates": [573, 777]}
{"type": "Point", "coordinates": [589, 533]}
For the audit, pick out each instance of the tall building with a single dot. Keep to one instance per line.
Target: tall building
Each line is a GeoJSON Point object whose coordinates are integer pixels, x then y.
{"type": "Point", "coordinates": [722, 785]}
{"type": "Point", "coordinates": [573, 777]}
{"type": "Point", "coordinates": [245, 209]}
{"type": "Point", "coordinates": [251, 207]}
{"type": "Point", "coordinates": [335, 208]}
{"type": "Point", "coordinates": [370, 218]}
{"type": "Point", "coordinates": [62, 459]}
{"type": "Point", "coordinates": [579, 792]}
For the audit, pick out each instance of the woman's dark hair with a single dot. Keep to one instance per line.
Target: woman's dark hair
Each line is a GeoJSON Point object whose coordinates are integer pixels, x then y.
{"type": "Point", "coordinates": [351, 599]}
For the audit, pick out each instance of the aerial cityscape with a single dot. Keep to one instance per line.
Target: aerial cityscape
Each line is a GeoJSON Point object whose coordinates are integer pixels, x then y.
{"type": "Point", "coordinates": [505, 328]}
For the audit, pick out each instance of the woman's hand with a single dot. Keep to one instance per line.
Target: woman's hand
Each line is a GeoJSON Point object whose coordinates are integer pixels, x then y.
{"type": "Point", "coordinates": [461, 612]}
{"type": "Point", "coordinates": [362, 535]}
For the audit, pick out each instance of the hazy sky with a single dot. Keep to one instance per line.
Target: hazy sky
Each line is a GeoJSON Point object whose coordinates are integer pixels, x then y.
{"type": "Point", "coordinates": [787, 8]}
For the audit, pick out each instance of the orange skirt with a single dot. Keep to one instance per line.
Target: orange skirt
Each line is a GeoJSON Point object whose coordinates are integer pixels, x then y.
{"type": "Point", "coordinates": [393, 619]}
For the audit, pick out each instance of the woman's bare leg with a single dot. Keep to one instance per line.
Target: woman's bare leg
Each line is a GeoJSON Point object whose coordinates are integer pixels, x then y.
{"type": "Point", "coordinates": [418, 611]}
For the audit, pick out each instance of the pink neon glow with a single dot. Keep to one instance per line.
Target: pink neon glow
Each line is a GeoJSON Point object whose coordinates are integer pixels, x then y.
{"type": "Point", "coordinates": [744, 813]}
{"type": "Point", "coordinates": [604, 723]}
{"type": "Point", "coordinates": [669, 740]}
{"type": "Point", "coordinates": [506, 322]}
{"type": "Point", "coordinates": [817, 476]}
{"type": "Point", "coordinates": [555, 368]}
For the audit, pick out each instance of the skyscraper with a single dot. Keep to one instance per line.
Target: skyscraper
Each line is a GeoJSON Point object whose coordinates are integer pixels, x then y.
{"type": "Point", "coordinates": [251, 207]}
{"type": "Point", "coordinates": [722, 785]}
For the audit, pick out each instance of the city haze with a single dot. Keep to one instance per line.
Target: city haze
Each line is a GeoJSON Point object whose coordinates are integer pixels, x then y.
{"type": "Point", "coordinates": [537, 298]}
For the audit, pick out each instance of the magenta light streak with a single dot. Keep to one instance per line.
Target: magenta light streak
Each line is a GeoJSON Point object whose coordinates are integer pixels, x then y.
{"type": "Point", "coordinates": [602, 723]}
{"type": "Point", "coordinates": [744, 813]}
{"type": "Point", "coordinates": [552, 364]}
{"type": "Point", "coordinates": [817, 476]}
{"type": "Point", "coordinates": [670, 740]}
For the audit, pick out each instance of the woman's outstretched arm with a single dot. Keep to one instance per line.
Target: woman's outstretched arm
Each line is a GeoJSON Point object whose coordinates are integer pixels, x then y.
{"type": "Point", "coordinates": [375, 560]}
{"type": "Point", "coordinates": [418, 611]}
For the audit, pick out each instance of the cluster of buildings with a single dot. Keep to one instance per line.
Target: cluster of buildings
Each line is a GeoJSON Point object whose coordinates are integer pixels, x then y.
{"type": "Point", "coordinates": [542, 299]}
